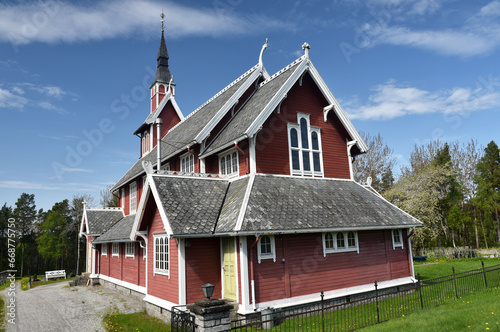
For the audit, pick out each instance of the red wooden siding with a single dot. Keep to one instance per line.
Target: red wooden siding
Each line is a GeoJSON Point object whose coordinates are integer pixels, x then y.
{"type": "Point", "coordinates": [162, 286]}
{"type": "Point", "coordinates": [131, 266]}
{"type": "Point", "coordinates": [115, 266]}
{"type": "Point", "coordinates": [203, 264]}
{"type": "Point", "coordinates": [272, 141]}
{"type": "Point", "coordinates": [307, 271]}
{"type": "Point", "coordinates": [104, 261]}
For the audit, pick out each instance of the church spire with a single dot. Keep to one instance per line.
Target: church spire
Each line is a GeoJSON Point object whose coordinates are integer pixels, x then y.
{"type": "Point", "coordinates": [162, 72]}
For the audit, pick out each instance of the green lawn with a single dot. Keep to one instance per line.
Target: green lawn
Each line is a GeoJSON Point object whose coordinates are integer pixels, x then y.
{"type": "Point", "coordinates": [137, 322]}
{"type": "Point", "coordinates": [477, 312]}
{"type": "Point", "coordinates": [444, 267]}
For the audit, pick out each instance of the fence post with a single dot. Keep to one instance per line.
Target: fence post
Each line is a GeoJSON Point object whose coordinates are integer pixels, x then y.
{"type": "Point", "coordinates": [484, 273]}
{"type": "Point", "coordinates": [376, 300]}
{"type": "Point", "coordinates": [420, 291]}
{"type": "Point", "coordinates": [323, 310]}
{"type": "Point", "coordinates": [455, 281]}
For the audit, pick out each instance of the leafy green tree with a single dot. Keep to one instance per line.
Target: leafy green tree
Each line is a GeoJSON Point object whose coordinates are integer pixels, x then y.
{"type": "Point", "coordinates": [25, 214]}
{"type": "Point", "coordinates": [52, 242]}
{"type": "Point", "coordinates": [418, 194]}
{"type": "Point", "coordinates": [108, 199]}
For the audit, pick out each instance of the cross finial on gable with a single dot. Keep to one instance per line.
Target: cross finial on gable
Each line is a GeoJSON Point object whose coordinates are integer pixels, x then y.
{"type": "Point", "coordinates": [162, 21]}
{"type": "Point", "coordinates": [306, 47]}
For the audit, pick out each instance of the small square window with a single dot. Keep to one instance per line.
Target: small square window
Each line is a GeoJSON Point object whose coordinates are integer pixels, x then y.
{"type": "Point", "coordinates": [130, 249]}
{"type": "Point", "coordinates": [115, 249]}
{"type": "Point", "coordinates": [266, 248]}
{"type": "Point", "coordinates": [397, 238]}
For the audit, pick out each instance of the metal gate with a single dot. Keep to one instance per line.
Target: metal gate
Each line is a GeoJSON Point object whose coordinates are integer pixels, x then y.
{"type": "Point", "coordinates": [181, 319]}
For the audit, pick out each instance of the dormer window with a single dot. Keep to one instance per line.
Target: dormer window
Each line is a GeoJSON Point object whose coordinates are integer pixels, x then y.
{"type": "Point", "coordinates": [305, 147]}
{"type": "Point", "coordinates": [228, 163]}
{"type": "Point", "coordinates": [187, 163]}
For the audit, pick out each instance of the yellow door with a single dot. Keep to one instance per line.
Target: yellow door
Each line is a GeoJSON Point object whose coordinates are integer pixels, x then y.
{"type": "Point", "coordinates": [229, 268]}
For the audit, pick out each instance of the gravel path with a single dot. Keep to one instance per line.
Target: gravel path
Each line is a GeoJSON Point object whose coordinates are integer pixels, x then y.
{"type": "Point", "coordinates": [57, 307]}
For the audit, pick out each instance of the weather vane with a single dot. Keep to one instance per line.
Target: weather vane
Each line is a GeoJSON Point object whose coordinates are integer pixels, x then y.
{"type": "Point", "coordinates": [162, 21]}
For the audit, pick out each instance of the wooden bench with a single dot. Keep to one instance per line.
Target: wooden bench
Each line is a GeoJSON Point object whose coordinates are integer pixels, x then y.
{"type": "Point", "coordinates": [55, 274]}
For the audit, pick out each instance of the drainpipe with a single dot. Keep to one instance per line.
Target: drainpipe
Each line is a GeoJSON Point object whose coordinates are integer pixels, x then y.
{"type": "Point", "coordinates": [350, 144]}
{"type": "Point", "coordinates": [158, 138]}
{"type": "Point", "coordinates": [252, 281]}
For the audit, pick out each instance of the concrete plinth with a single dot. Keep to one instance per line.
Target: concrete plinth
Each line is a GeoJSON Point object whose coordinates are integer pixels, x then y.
{"type": "Point", "coordinates": [211, 315]}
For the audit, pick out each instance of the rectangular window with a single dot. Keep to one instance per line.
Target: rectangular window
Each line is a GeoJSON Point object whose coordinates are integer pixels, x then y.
{"type": "Point", "coordinates": [266, 248]}
{"type": "Point", "coordinates": [133, 197]}
{"type": "Point", "coordinates": [334, 242]}
{"type": "Point", "coordinates": [104, 249]}
{"type": "Point", "coordinates": [228, 163]}
{"type": "Point", "coordinates": [161, 254]}
{"type": "Point", "coordinates": [305, 147]}
{"type": "Point", "coordinates": [187, 163]}
{"type": "Point", "coordinates": [115, 249]}
{"type": "Point", "coordinates": [397, 238]}
{"type": "Point", "coordinates": [130, 249]}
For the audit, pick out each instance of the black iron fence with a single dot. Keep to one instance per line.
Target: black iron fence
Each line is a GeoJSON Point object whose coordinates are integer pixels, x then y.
{"type": "Point", "coordinates": [347, 313]}
{"type": "Point", "coordinates": [181, 319]}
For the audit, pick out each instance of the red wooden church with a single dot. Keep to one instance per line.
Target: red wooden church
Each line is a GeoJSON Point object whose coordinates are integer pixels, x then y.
{"type": "Point", "coordinates": [252, 192]}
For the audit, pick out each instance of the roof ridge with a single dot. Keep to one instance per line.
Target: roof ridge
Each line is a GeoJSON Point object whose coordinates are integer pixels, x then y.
{"type": "Point", "coordinates": [105, 209]}
{"type": "Point", "coordinates": [248, 72]}
{"type": "Point", "coordinates": [281, 71]}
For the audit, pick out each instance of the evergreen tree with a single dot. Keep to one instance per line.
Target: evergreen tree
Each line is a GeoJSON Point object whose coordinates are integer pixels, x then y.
{"type": "Point", "coordinates": [488, 184]}
{"type": "Point", "coordinates": [5, 214]}
{"type": "Point", "coordinates": [25, 214]}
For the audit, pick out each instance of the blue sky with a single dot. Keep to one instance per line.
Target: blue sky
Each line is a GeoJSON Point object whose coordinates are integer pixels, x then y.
{"type": "Point", "coordinates": [74, 76]}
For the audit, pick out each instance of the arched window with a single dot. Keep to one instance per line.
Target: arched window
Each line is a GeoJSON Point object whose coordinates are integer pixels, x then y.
{"type": "Point", "coordinates": [351, 240]}
{"type": "Point", "coordinates": [228, 163]}
{"type": "Point", "coordinates": [329, 241]}
{"type": "Point", "coordinates": [266, 248]}
{"type": "Point", "coordinates": [340, 240]}
{"type": "Point", "coordinates": [305, 147]}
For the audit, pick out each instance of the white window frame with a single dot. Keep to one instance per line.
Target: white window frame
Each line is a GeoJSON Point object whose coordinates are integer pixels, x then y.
{"type": "Point", "coordinates": [145, 143]}
{"type": "Point", "coordinates": [130, 249]}
{"type": "Point", "coordinates": [104, 249]}
{"type": "Point", "coordinates": [132, 197]}
{"type": "Point", "coordinates": [395, 244]}
{"type": "Point", "coordinates": [165, 167]}
{"type": "Point", "coordinates": [156, 254]}
{"type": "Point", "coordinates": [185, 159]}
{"type": "Point", "coordinates": [301, 150]}
{"type": "Point", "coordinates": [115, 249]}
{"type": "Point", "coordinates": [336, 248]}
{"type": "Point", "coordinates": [261, 256]}
{"type": "Point", "coordinates": [235, 171]}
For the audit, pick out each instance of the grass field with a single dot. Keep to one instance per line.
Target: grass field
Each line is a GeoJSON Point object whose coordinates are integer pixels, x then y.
{"type": "Point", "coordinates": [137, 322]}
{"type": "Point", "coordinates": [443, 267]}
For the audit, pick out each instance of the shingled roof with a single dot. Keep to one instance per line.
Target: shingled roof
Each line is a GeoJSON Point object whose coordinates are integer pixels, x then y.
{"type": "Point", "coordinates": [261, 203]}
{"type": "Point", "coordinates": [120, 232]}
{"type": "Point", "coordinates": [100, 220]}
{"type": "Point", "coordinates": [183, 134]}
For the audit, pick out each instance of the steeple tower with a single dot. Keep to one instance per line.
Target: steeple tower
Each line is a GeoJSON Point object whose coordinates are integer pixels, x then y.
{"type": "Point", "coordinates": [163, 81]}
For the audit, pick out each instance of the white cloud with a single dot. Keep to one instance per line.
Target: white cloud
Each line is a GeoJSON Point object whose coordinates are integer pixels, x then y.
{"type": "Point", "coordinates": [11, 100]}
{"type": "Point", "coordinates": [27, 185]}
{"type": "Point", "coordinates": [52, 21]}
{"type": "Point", "coordinates": [392, 100]}
{"type": "Point", "coordinates": [51, 107]}
{"type": "Point", "coordinates": [479, 34]}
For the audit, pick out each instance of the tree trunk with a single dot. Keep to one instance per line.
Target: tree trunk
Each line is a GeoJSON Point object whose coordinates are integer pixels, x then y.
{"type": "Point", "coordinates": [475, 228]}
{"type": "Point", "coordinates": [498, 223]}
{"type": "Point", "coordinates": [22, 259]}
{"type": "Point", "coordinates": [484, 234]}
